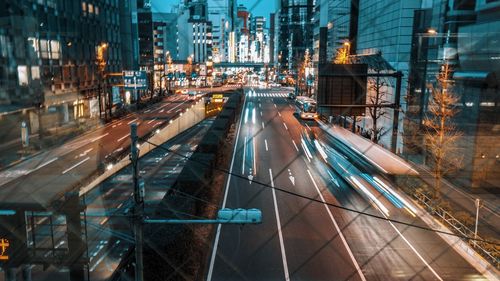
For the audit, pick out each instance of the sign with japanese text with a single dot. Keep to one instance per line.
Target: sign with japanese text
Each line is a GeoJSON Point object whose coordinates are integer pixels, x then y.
{"type": "Point", "coordinates": [135, 80]}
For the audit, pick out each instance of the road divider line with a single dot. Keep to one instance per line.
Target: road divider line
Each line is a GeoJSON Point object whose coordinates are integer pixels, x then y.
{"type": "Point", "coordinates": [358, 268]}
{"type": "Point", "coordinates": [219, 226]}
{"type": "Point", "coordinates": [76, 165]}
{"type": "Point", "coordinates": [285, 126]}
{"type": "Point", "coordinates": [263, 125]}
{"type": "Point", "coordinates": [128, 123]}
{"type": "Point", "coordinates": [151, 121]}
{"type": "Point", "coordinates": [279, 113]}
{"type": "Point", "coordinates": [295, 145]}
{"type": "Point", "coordinates": [44, 164]}
{"type": "Point", "coordinates": [415, 251]}
{"type": "Point", "coordinates": [265, 142]}
{"type": "Point", "coordinates": [99, 137]}
{"type": "Point", "coordinates": [244, 156]}
{"type": "Point", "coordinates": [280, 234]}
{"type": "Point", "coordinates": [120, 139]}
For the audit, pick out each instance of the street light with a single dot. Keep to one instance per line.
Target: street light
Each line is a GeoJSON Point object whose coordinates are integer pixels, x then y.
{"type": "Point", "coordinates": [101, 63]}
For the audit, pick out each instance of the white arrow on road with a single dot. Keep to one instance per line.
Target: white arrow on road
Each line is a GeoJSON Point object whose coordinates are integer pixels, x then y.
{"type": "Point", "coordinates": [250, 178]}
{"type": "Point", "coordinates": [292, 178]}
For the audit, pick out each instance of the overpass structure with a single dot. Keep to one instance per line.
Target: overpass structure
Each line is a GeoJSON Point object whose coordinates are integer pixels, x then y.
{"type": "Point", "coordinates": [255, 65]}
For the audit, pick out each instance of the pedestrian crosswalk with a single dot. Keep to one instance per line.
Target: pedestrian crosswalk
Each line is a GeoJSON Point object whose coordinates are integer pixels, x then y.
{"type": "Point", "coordinates": [268, 95]}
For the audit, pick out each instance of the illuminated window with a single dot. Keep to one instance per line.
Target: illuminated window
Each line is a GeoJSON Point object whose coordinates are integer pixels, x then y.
{"type": "Point", "coordinates": [35, 72]}
{"type": "Point", "coordinates": [96, 10]}
{"type": "Point", "coordinates": [44, 49]}
{"type": "Point", "coordinates": [91, 8]}
{"type": "Point", "coordinates": [22, 74]}
{"type": "Point", "coordinates": [55, 49]}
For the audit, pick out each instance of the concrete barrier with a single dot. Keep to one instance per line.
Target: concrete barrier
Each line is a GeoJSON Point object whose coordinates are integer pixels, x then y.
{"type": "Point", "coordinates": [190, 117]}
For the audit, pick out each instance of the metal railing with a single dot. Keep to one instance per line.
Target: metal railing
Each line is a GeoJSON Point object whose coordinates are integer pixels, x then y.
{"type": "Point", "coordinates": [492, 255]}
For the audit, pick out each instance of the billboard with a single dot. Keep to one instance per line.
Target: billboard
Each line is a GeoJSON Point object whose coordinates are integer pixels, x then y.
{"type": "Point", "coordinates": [342, 89]}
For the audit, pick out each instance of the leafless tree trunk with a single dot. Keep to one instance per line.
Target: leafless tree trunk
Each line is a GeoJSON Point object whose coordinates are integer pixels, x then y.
{"type": "Point", "coordinates": [440, 133]}
{"type": "Point", "coordinates": [377, 97]}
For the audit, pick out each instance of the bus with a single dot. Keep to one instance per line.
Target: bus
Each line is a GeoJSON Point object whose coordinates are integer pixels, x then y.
{"type": "Point", "coordinates": [306, 107]}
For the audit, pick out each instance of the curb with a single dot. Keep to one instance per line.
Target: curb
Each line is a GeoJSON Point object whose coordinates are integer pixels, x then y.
{"type": "Point", "coordinates": [459, 245]}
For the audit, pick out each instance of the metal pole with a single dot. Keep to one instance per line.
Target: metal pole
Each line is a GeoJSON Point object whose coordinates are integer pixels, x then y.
{"type": "Point", "coordinates": [478, 202]}
{"type": "Point", "coordinates": [397, 105]}
{"type": "Point", "coordinates": [139, 205]}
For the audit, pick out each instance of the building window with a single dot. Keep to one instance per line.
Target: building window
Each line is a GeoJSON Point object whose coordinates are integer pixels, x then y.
{"type": "Point", "coordinates": [22, 74]}
{"type": "Point", "coordinates": [91, 8]}
{"type": "Point", "coordinates": [55, 49]}
{"type": "Point", "coordinates": [35, 72]}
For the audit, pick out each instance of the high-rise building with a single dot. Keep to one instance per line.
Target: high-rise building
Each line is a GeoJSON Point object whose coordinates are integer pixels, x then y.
{"type": "Point", "coordinates": [295, 34]}
{"type": "Point", "coordinates": [463, 34]}
{"type": "Point", "coordinates": [129, 35]}
{"type": "Point", "coordinates": [194, 32]}
{"type": "Point", "coordinates": [48, 57]}
{"type": "Point", "coordinates": [258, 39]}
{"type": "Point", "coordinates": [219, 16]}
{"type": "Point", "coordinates": [384, 31]}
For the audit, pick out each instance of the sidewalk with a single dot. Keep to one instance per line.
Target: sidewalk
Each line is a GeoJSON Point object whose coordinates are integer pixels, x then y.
{"type": "Point", "coordinates": [389, 163]}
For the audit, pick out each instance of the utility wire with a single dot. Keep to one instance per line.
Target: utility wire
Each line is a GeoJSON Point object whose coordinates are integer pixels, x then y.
{"type": "Point", "coordinates": [331, 204]}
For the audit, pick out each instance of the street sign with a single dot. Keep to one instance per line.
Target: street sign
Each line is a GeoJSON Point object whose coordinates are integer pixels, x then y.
{"type": "Point", "coordinates": [135, 80]}
{"type": "Point", "coordinates": [217, 98]}
{"type": "Point", "coordinates": [116, 95]}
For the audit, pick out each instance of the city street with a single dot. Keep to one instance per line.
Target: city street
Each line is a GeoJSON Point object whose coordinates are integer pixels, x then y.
{"type": "Point", "coordinates": [304, 240]}
{"type": "Point", "coordinates": [45, 175]}
{"type": "Point", "coordinates": [109, 238]}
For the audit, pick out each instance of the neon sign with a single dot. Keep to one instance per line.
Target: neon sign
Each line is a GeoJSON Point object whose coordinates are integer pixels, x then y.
{"type": "Point", "coordinates": [4, 245]}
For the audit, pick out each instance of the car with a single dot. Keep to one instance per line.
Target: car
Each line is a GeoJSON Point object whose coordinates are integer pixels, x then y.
{"type": "Point", "coordinates": [291, 96]}
{"type": "Point", "coordinates": [181, 92]}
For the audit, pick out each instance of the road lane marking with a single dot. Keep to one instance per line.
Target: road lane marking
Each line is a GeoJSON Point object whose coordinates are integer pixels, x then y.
{"type": "Point", "coordinates": [361, 275]}
{"type": "Point", "coordinates": [219, 226]}
{"type": "Point", "coordinates": [279, 113]}
{"type": "Point", "coordinates": [244, 156]}
{"type": "Point", "coordinates": [278, 223]}
{"type": "Point", "coordinates": [265, 141]}
{"type": "Point", "coordinates": [99, 137]}
{"type": "Point", "coordinates": [44, 164]}
{"type": "Point", "coordinates": [308, 127]}
{"type": "Point", "coordinates": [119, 124]}
{"type": "Point", "coordinates": [263, 125]}
{"type": "Point", "coordinates": [113, 126]}
{"type": "Point", "coordinates": [76, 165]}
{"type": "Point", "coordinates": [414, 250]}
{"type": "Point", "coordinates": [132, 121]}
{"type": "Point", "coordinates": [120, 139]}
{"type": "Point", "coordinates": [275, 105]}
{"type": "Point", "coordinates": [294, 144]}
{"type": "Point", "coordinates": [261, 113]}
{"type": "Point", "coordinates": [170, 110]}
{"type": "Point", "coordinates": [285, 126]}
{"type": "Point", "coordinates": [151, 121]}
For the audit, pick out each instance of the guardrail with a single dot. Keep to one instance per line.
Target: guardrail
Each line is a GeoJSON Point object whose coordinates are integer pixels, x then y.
{"type": "Point", "coordinates": [457, 227]}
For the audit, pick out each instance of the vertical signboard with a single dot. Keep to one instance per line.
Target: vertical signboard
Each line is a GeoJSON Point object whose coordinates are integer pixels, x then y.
{"type": "Point", "coordinates": [115, 90]}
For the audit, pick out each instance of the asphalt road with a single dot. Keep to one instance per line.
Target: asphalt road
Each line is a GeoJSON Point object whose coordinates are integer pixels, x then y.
{"type": "Point", "coordinates": [304, 240]}
{"type": "Point", "coordinates": [109, 238]}
{"type": "Point", "coordinates": [44, 176]}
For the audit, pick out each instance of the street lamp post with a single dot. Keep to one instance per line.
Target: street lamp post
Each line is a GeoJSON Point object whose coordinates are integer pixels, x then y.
{"type": "Point", "coordinates": [101, 63]}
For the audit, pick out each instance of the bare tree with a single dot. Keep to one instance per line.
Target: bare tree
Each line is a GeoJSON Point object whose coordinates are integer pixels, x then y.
{"type": "Point", "coordinates": [378, 91]}
{"type": "Point", "coordinates": [440, 133]}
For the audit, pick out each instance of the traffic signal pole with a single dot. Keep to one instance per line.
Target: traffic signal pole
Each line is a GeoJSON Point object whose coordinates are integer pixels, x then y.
{"type": "Point", "coordinates": [224, 216]}
{"type": "Point", "coordinates": [139, 203]}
